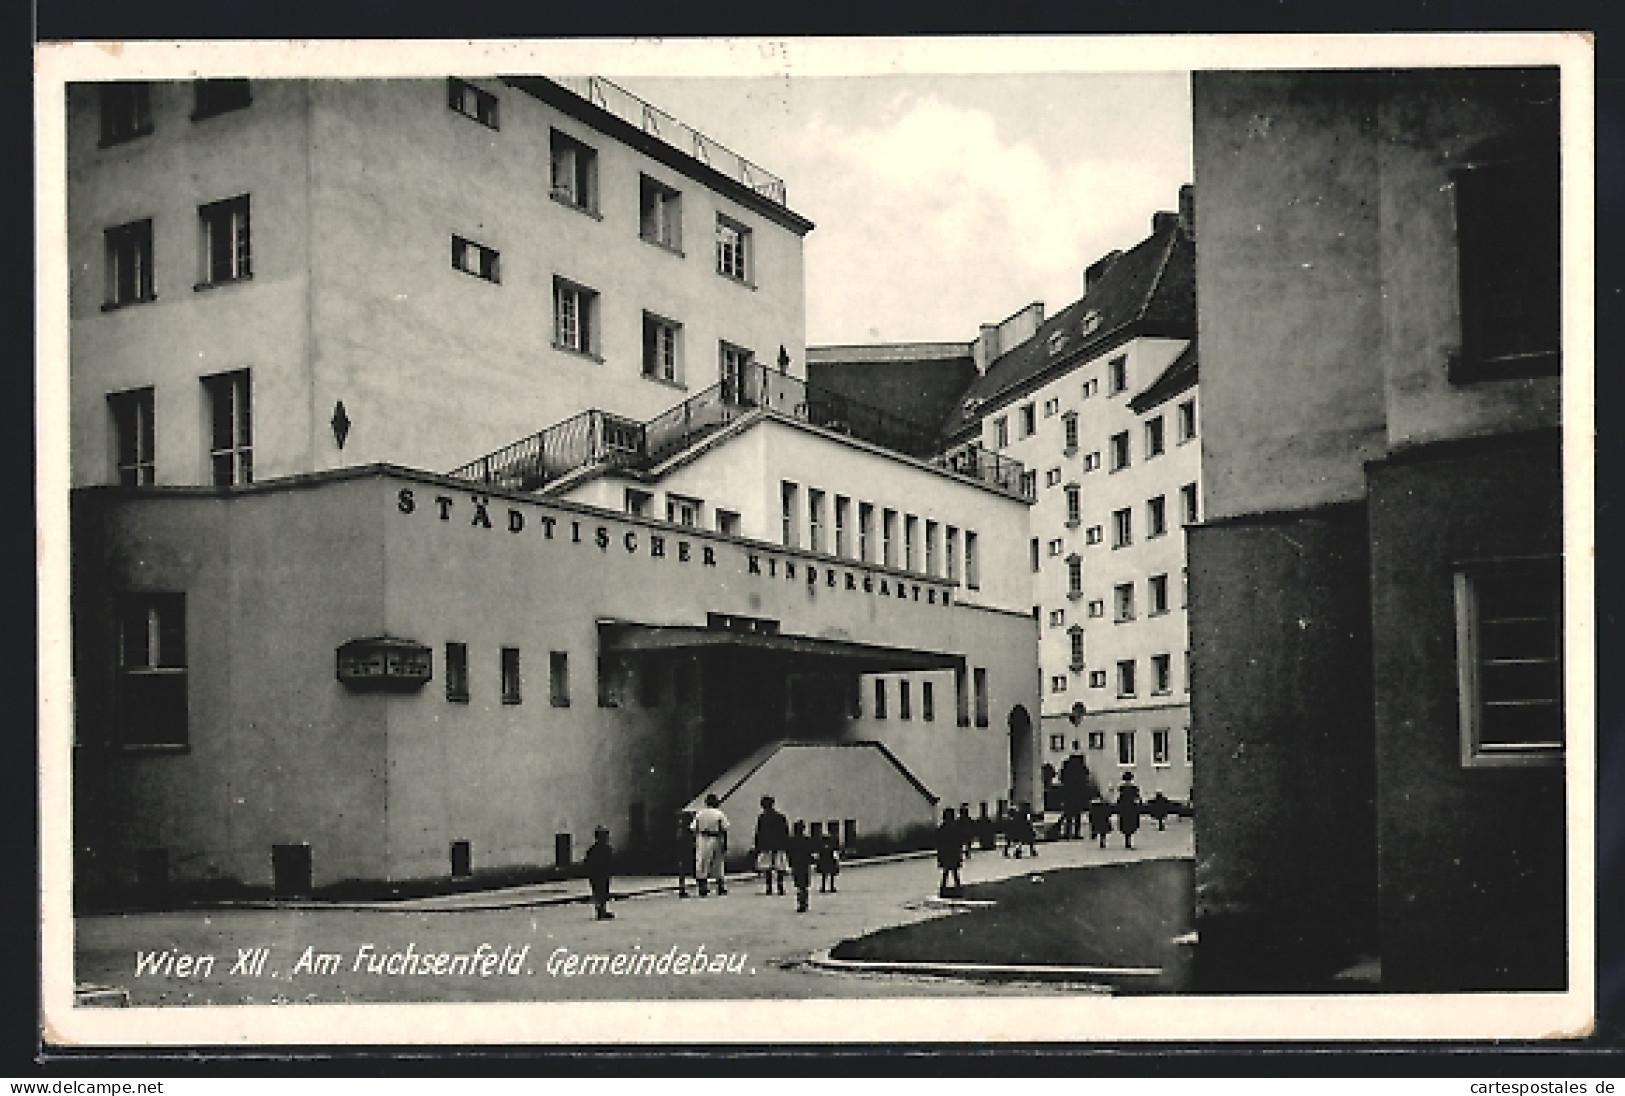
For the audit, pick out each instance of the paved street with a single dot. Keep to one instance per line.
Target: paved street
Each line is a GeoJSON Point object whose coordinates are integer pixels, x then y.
{"type": "Point", "coordinates": [750, 945]}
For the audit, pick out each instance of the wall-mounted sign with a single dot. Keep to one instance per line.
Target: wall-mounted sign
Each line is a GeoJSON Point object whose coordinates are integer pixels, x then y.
{"type": "Point", "coordinates": [399, 665]}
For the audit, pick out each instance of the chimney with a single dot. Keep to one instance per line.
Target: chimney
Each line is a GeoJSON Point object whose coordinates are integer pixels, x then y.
{"type": "Point", "coordinates": [1021, 326]}
{"type": "Point", "coordinates": [1187, 210]}
{"type": "Point", "coordinates": [986, 346]}
{"type": "Point", "coordinates": [1162, 221]}
{"type": "Point", "coordinates": [1098, 268]}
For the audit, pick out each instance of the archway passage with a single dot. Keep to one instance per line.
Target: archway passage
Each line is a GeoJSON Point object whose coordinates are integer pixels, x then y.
{"type": "Point", "coordinates": [1023, 753]}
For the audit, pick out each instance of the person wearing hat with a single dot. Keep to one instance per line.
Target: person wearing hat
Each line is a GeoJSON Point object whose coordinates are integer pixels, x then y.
{"type": "Point", "coordinates": [711, 845]}
{"type": "Point", "coordinates": [597, 863]}
{"type": "Point", "coordinates": [772, 845]}
{"type": "Point", "coordinates": [1128, 809]}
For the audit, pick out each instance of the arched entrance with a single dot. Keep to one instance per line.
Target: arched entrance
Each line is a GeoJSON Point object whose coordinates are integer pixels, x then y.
{"type": "Point", "coordinates": [1023, 757]}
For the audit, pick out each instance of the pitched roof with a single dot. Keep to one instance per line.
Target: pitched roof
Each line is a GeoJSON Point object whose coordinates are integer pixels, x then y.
{"type": "Point", "coordinates": [919, 382]}
{"type": "Point", "coordinates": [1149, 290]}
{"type": "Point", "coordinates": [1180, 375]}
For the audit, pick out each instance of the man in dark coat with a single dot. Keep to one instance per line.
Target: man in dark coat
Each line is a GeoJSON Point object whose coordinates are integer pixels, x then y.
{"type": "Point", "coordinates": [1074, 795]}
{"type": "Point", "coordinates": [950, 853]}
{"type": "Point", "coordinates": [597, 862]}
{"type": "Point", "coordinates": [1128, 809]}
{"type": "Point", "coordinates": [800, 853]}
{"type": "Point", "coordinates": [772, 841]}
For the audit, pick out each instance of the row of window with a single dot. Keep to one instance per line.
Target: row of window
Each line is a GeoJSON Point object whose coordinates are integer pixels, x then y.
{"type": "Point", "coordinates": [683, 510]}
{"type": "Point", "coordinates": [1117, 372]}
{"type": "Point", "coordinates": [1126, 741]}
{"type": "Point", "coordinates": [1162, 674]}
{"type": "Point", "coordinates": [1156, 519]}
{"type": "Point", "coordinates": [573, 179]}
{"type": "Point", "coordinates": [830, 528]}
{"type": "Point", "coordinates": [963, 700]}
{"type": "Point", "coordinates": [126, 107]}
{"type": "Point", "coordinates": [225, 253]}
{"type": "Point", "coordinates": [227, 403]}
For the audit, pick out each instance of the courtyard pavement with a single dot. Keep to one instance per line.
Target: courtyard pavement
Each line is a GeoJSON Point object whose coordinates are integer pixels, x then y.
{"type": "Point", "coordinates": [748, 944]}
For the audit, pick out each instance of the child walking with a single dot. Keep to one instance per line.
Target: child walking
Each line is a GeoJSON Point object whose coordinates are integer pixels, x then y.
{"type": "Point", "coordinates": [829, 864]}
{"type": "Point", "coordinates": [801, 855]}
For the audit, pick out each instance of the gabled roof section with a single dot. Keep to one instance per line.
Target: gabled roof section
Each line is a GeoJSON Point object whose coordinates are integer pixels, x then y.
{"type": "Point", "coordinates": [1149, 291]}
{"type": "Point", "coordinates": [919, 382]}
{"type": "Point", "coordinates": [1178, 377]}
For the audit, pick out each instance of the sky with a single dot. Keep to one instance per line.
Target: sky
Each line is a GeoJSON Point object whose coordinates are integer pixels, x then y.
{"type": "Point", "coordinates": [945, 202]}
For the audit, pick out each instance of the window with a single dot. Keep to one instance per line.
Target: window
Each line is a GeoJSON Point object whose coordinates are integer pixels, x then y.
{"type": "Point", "coordinates": [928, 702]}
{"type": "Point", "coordinates": [1091, 461]}
{"type": "Point", "coordinates": [932, 552]}
{"type": "Point", "coordinates": [1125, 747]}
{"type": "Point", "coordinates": [979, 685]}
{"type": "Point", "coordinates": [558, 678]}
{"type": "Point", "coordinates": [1069, 423]}
{"type": "Point", "coordinates": [880, 698]}
{"type": "Point", "coordinates": [905, 708]}
{"type": "Point", "coordinates": [1094, 534]}
{"type": "Point", "coordinates": [575, 320]}
{"type": "Point", "coordinates": [733, 249]}
{"type": "Point", "coordinates": [152, 670]}
{"type": "Point", "coordinates": [1029, 420]}
{"type": "Point", "coordinates": [1162, 674]}
{"type": "Point", "coordinates": [843, 508]}
{"type": "Point", "coordinates": [961, 697]}
{"type": "Point", "coordinates": [231, 449]}
{"type": "Point", "coordinates": [1057, 743]}
{"type": "Point", "coordinates": [1052, 477]}
{"type": "Point", "coordinates": [457, 672]}
{"type": "Point", "coordinates": [211, 97]}
{"type": "Point", "coordinates": [1119, 451]}
{"type": "Point", "coordinates": [471, 102]}
{"type": "Point", "coordinates": [129, 264]}
{"type": "Point", "coordinates": [574, 172]}
{"type": "Point", "coordinates": [1509, 638]}
{"type": "Point", "coordinates": [1074, 506]}
{"type": "Point", "coordinates": [226, 253]}
{"type": "Point", "coordinates": [1125, 678]}
{"type": "Point", "coordinates": [1091, 386]}
{"type": "Point", "coordinates": [1097, 740]}
{"type": "Point", "coordinates": [1154, 444]}
{"type": "Point", "coordinates": [1033, 553]}
{"type": "Point", "coordinates": [888, 538]}
{"type": "Point", "coordinates": [1075, 635]}
{"type": "Point", "coordinates": [1052, 407]}
{"type": "Point", "coordinates": [866, 530]}
{"type": "Point", "coordinates": [1056, 546]}
{"type": "Point", "coordinates": [1074, 576]}
{"type": "Point", "coordinates": [126, 111]}
{"type": "Point", "coordinates": [973, 563]}
{"type": "Point", "coordinates": [683, 511]}
{"type": "Point", "coordinates": [1187, 674]}
{"type": "Point", "coordinates": [1001, 432]}
{"type": "Point", "coordinates": [1057, 617]}
{"type": "Point", "coordinates": [132, 414]}
{"type": "Point", "coordinates": [1116, 376]}
{"type": "Point", "coordinates": [1122, 528]}
{"type": "Point", "coordinates": [787, 513]}
{"type": "Point", "coordinates": [475, 259]}
{"type": "Point", "coordinates": [950, 548]}
{"type": "Point", "coordinates": [1097, 679]}
{"type": "Point", "coordinates": [1097, 609]}
{"type": "Point", "coordinates": [1187, 503]}
{"type": "Point", "coordinates": [1029, 483]}
{"type": "Point", "coordinates": [733, 367]}
{"type": "Point", "coordinates": [911, 528]}
{"type": "Point", "coordinates": [1157, 594]}
{"type": "Point", "coordinates": [1187, 736]}
{"type": "Point", "coordinates": [1057, 683]}
{"type": "Point", "coordinates": [662, 340]}
{"type": "Point", "coordinates": [1187, 420]}
{"type": "Point", "coordinates": [729, 523]}
{"type": "Point", "coordinates": [1160, 753]}
{"type": "Point", "coordinates": [815, 519]}
{"type": "Point", "coordinates": [510, 676]}
{"type": "Point", "coordinates": [638, 502]}
{"type": "Point", "coordinates": [1508, 224]}
{"type": "Point", "coordinates": [1123, 602]}
{"type": "Point", "coordinates": [1156, 516]}
{"type": "Point", "coordinates": [660, 214]}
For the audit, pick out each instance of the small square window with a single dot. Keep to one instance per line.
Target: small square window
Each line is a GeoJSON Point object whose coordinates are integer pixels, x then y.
{"type": "Point", "coordinates": [1057, 683]}
{"type": "Point", "coordinates": [1056, 546]}
{"type": "Point", "coordinates": [1057, 617]}
{"type": "Point", "coordinates": [733, 249]}
{"type": "Point", "coordinates": [1094, 534]}
{"type": "Point", "coordinates": [1097, 609]}
{"type": "Point", "coordinates": [476, 259]}
{"type": "Point", "coordinates": [472, 102]}
{"type": "Point", "coordinates": [1052, 477]}
{"type": "Point", "coordinates": [683, 511]}
{"type": "Point", "coordinates": [1097, 680]}
{"type": "Point", "coordinates": [729, 523]}
{"type": "Point", "coordinates": [1057, 743]}
{"type": "Point", "coordinates": [1052, 407]}
{"type": "Point", "coordinates": [1097, 739]}
{"type": "Point", "coordinates": [1091, 461]}
{"type": "Point", "coordinates": [574, 169]}
{"type": "Point", "coordinates": [637, 502]}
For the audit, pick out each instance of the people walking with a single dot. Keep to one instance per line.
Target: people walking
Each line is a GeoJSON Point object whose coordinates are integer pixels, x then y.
{"type": "Point", "coordinates": [711, 846]}
{"type": "Point", "coordinates": [1100, 819]}
{"type": "Point", "coordinates": [597, 861]}
{"type": "Point", "coordinates": [950, 854]}
{"type": "Point", "coordinates": [1074, 795]}
{"type": "Point", "coordinates": [685, 851]}
{"type": "Point", "coordinates": [1158, 808]}
{"type": "Point", "coordinates": [1019, 830]}
{"type": "Point", "coordinates": [772, 839]}
{"type": "Point", "coordinates": [1128, 809]}
{"type": "Point", "coordinates": [800, 853]}
{"type": "Point", "coordinates": [829, 864]}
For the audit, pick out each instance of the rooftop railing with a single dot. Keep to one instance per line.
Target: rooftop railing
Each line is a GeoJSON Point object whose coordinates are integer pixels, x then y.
{"type": "Point", "coordinates": [657, 123]}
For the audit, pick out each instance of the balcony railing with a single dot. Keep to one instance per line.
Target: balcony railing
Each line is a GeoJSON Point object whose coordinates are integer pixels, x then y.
{"type": "Point", "coordinates": [595, 438]}
{"type": "Point", "coordinates": [657, 123]}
